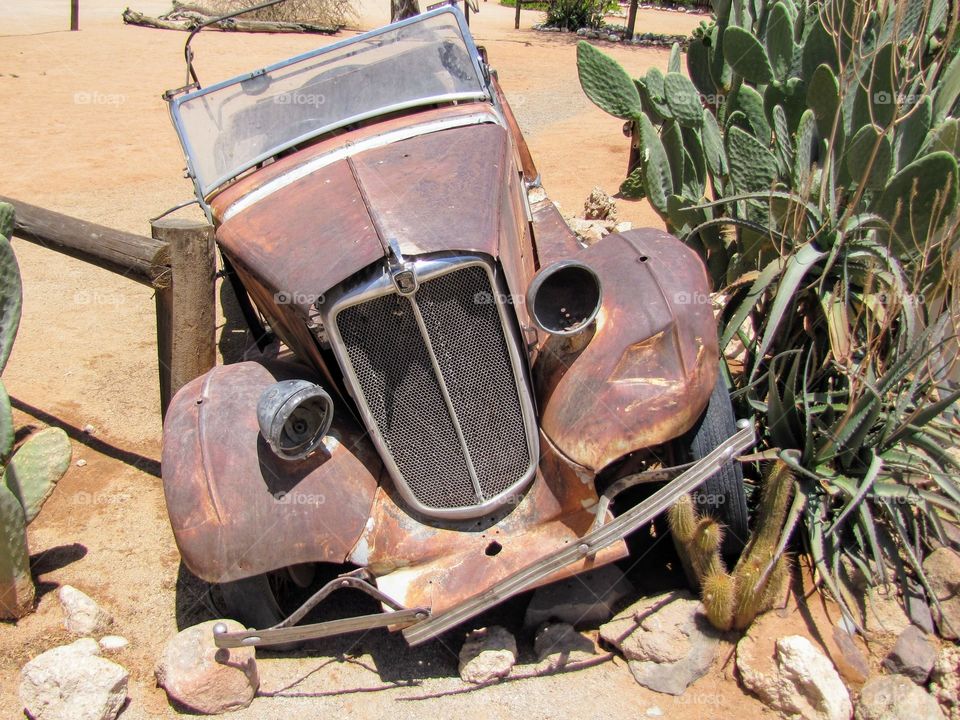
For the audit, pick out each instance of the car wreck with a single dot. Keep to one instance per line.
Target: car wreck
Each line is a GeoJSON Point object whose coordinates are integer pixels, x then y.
{"type": "Point", "coordinates": [463, 388]}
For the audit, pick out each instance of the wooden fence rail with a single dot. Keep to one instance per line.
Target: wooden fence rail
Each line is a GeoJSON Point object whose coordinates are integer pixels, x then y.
{"type": "Point", "coordinates": [178, 262]}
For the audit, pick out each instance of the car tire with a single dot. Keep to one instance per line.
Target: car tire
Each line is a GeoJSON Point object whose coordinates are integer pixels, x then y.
{"type": "Point", "coordinates": [260, 602]}
{"type": "Point", "coordinates": [722, 496]}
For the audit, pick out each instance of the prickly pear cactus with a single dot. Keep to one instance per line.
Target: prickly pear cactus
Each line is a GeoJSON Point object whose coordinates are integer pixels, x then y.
{"type": "Point", "coordinates": [36, 467]}
{"type": "Point", "coordinates": [881, 139]}
{"type": "Point", "coordinates": [30, 475]}
{"type": "Point", "coordinates": [11, 293]}
{"type": "Point", "coordinates": [16, 585]}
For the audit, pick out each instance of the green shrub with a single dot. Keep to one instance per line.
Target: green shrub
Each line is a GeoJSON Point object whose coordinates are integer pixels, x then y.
{"type": "Point", "coordinates": [810, 159]}
{"type": "Point", "coordinates": [576, 14]}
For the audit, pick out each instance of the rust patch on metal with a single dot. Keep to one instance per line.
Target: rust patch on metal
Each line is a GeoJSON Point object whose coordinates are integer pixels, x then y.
{"type": "Point", "coordinates": [647, 373]}
{"type": "Point", "coordinates": [442, 564]}
{"type": "Point", "coordinates": [238, 510]}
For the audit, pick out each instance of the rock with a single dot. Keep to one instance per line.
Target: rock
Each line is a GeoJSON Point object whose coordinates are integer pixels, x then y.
{"type": "Point", "coordinates": [894, 697]}
{"type": "Point", "coordinates": [798, 681]}
{"type": "Point", "coordinates": [621, 227]}
{"type": "Point", "coordinates": [81, 463]}
{"type": "Point", "coordinates": [113, 642]}
{"type": "Point", "coordinates": [206, 679]}
{"type": "Point", "coordinates": [589, 231]}
{"type": "Point", "coordinates": [582, 32]}
{"type": "Point", "coordinates": [849, 661]}
{"type": "Point", "coordinates": [942, 568]}
{"type": "Point", "coordinates": [487, 654]}
{"type": "Point", "coordinates": [581, 600]}
{"type": "Point", "coordinates": [599, 206]}
{"type": "Point", "coordinates": [945, 681]}
{"type": "Point", "coordinates": [913, 655]}
{"type": "Point", "coordinates": [613, 38]}
{"type": "Point", "coordinates": [557, 644]}
{"type": "Point", "coordinates": [536, 195]}
{"type": "Point", "coordinates": [71, 682]}
{"type": "Point", "coordinates": [885, 617]}
{"type": "Point", "coordinates": [667, 641]}
{"type": "Point", "coordinates": [83, 615]}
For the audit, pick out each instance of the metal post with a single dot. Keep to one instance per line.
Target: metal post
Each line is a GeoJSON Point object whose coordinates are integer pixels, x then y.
{"type": "Point", "coordinates": [74, 15]}
{"type": "Point", "coordinates": [186, 331]}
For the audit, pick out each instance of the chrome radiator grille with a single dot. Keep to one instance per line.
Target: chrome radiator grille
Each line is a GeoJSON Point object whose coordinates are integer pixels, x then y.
{"type": "Point", "coordinates": [435, 372]}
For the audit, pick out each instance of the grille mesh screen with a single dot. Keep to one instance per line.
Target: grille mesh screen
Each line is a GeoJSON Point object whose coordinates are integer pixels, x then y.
{"type": "Point", "coordinates": [396, 377]}
{"type": "Point", "coordinates": [468, 341]}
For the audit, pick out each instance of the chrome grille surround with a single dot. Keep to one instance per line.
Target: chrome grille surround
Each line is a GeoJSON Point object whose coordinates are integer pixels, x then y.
{"type": "Point", "coordinates": [440, 381]}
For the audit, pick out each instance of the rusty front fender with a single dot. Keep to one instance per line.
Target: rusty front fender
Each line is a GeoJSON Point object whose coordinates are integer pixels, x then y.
{"type": "Point", "coordinates": [645, 375]}
{"type": "Point", "coordinates": [236, 509]}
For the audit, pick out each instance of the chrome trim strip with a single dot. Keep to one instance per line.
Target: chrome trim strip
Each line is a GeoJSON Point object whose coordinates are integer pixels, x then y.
{"type": "Point", "coordinates": [592, 542]}
{"type": "Point", "coordinates": [380, 283]}
{"type": "Point", "coordinates": [351, 149]}
{"type": "Point", "coordinates": [447, 400]}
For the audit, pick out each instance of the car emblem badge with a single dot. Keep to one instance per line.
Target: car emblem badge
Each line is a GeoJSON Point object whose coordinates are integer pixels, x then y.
{"type": "Point", "coordinates": [401, 271]}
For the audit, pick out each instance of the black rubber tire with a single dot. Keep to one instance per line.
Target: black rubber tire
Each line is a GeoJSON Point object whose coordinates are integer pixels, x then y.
{"type": "Point", "coordinates": [256, 603]}
{"type": "Point", "coordinates": [722, 495]}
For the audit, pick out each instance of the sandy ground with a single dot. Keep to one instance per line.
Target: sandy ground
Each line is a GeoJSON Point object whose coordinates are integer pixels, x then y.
{"type": "Point", "coordinates": [86, 133]}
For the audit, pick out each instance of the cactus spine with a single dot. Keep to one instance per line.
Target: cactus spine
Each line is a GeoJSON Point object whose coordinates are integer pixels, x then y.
{"type": "Point", "coordinates": [29, 474]}
{"type": "Point", "coordinates": [734, 599]}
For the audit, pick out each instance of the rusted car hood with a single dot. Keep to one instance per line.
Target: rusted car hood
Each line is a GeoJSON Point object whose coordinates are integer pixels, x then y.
{"type": "Point", "coordinates": [436, 191]}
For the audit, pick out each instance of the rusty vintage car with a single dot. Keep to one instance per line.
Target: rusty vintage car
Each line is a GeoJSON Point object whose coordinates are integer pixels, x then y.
{"type": "Point", "coordinates": [464, 387]}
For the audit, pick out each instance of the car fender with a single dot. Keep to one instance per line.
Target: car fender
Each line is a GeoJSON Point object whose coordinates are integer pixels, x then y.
{"type": "Point", "coordinates": [237, 509]}
{"type": "Point", "coordinates": [645, 370]}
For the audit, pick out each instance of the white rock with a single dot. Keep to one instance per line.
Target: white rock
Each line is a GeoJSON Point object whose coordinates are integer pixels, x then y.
{"type": "Point", "coordinates": [487, 654]}
{"type": "Point", "coordinates": [71, 682]}
{"type": "Point", "coordinates": [113, 642]}
{"type": "Point", "coordinates": [204, 678]}
{"type": "Point", "coordinates": [800, 682]}
{"type": "Point", "coordinates": [621, 227]}
{"type": "Point", "coordinates": [83, 615]}
{"type": "Point", "coordinates": [895, 697]}
{"type": "Point", "coordinates": [81, 463]}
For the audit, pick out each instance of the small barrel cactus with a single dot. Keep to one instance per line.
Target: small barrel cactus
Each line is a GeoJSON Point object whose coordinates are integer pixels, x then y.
{"type": "Point", "coordinates": [30, 473]}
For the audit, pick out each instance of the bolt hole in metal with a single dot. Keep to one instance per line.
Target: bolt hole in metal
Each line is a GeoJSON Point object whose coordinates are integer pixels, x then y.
{"type": "Point", "coordinates": [493, 548]}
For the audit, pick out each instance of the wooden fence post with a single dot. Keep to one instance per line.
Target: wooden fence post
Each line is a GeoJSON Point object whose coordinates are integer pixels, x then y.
{"type": "Point", "coordinates": [186, 318]}
{"type": "Point", "coordinates": [74, 14]}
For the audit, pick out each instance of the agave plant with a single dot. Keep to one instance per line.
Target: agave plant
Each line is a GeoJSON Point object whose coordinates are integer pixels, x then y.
{"type": "Point", "coordinates": [809, 156]}
{"type": "Point", "coordinates": [29, 473]}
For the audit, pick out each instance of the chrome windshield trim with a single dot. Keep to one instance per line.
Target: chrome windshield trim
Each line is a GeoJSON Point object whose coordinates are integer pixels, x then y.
{"type": "Point", "coordinates": [355, 148]}
{"type": "Point", "coordinates": [379, 284]}
{"type": "Point", "coordinates": [205, 186]}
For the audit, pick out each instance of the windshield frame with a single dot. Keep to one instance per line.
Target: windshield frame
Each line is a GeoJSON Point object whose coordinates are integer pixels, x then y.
{"type": "Point", "coordinates": [205, 189]}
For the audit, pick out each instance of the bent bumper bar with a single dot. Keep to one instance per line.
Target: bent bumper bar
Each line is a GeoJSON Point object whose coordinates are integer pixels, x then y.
{"type": "Point", "coordinates": [422, 627]}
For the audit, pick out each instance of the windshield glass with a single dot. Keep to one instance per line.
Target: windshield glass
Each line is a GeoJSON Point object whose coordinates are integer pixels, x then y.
{"type": "Point", "coordinates": [234, 125]}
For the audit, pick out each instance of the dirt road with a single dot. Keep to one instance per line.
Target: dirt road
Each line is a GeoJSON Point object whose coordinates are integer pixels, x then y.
{"type": "Point", "coordinates": [86, 133]}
